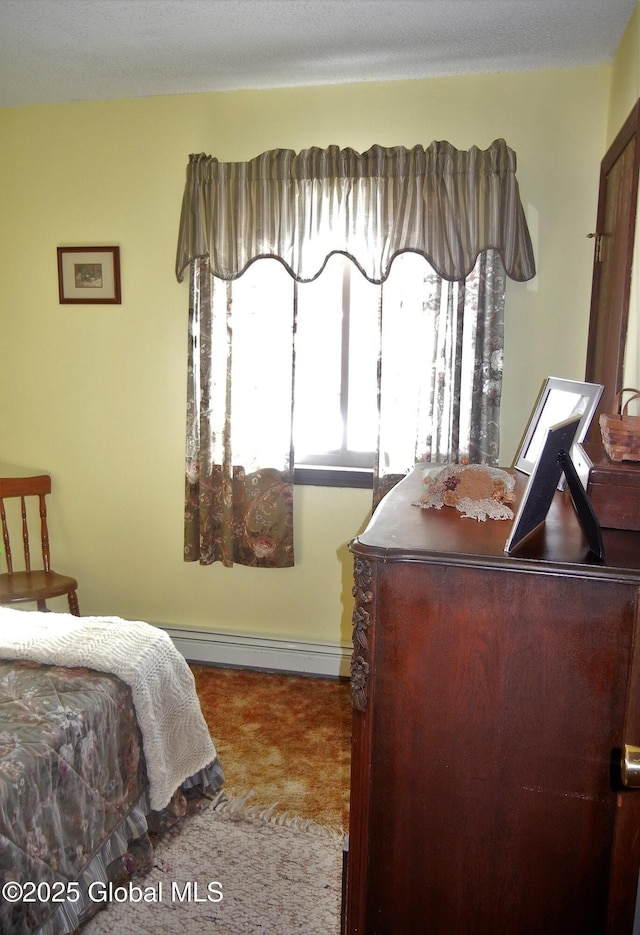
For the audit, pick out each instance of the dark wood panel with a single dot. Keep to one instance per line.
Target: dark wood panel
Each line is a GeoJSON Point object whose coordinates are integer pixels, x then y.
{"type": "Point", "coordinates": [491, 774]}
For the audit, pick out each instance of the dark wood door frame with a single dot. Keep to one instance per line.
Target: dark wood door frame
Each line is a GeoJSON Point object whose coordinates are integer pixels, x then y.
{"type": "Point", "coordinates": [612, 265]}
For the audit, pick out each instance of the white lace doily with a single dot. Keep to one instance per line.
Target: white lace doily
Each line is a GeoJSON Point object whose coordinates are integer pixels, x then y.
{"type": "Point", "coordinates": [498, 486]}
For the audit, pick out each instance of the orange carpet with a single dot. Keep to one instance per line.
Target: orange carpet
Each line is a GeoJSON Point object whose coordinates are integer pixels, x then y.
{"type": "Point", "coordinates": [285, 737]}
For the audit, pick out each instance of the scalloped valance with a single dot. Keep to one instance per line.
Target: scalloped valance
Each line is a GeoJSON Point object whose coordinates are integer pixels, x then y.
{"type": "Point", "coordinates": [446, 204]}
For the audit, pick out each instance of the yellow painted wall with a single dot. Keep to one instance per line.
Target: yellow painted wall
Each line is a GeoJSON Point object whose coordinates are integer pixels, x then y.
{"type": "Point", "coordinates": [96, 395]}
{"type": "Point", "coordinates": [625, 77]}
{"type": "Point", "coordinates": [625, 91]}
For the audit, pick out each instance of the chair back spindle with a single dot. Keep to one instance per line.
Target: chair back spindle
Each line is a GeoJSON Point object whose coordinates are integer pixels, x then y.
{"type": "Point", "coordinates": [6, 541]}
{"type": "Point", "coordinates": [25, 535]}
{"type": "Point", "coordinates": [30, 585]}
{"type": "Point", "coordinates": [44, 535]}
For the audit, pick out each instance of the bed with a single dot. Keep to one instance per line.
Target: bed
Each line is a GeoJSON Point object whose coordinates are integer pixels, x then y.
{"type": "Point", "coordinates": [102, 742]}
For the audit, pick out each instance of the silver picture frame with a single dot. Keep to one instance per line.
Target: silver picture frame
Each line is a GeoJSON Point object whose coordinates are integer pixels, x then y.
{"type": "Point", "coordinates": [559, 399]}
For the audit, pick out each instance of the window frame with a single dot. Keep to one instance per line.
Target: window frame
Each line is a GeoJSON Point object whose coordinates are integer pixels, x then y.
{"type": "Point", "coordinates": [308, 475]}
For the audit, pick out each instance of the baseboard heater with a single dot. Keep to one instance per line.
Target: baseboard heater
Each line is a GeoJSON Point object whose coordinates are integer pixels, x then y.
{"type": "Point", "coordinates": [258, 652]}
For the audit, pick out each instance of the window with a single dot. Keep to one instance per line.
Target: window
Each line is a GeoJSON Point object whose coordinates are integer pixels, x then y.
{"type": "Point", "coordinates": [335, 427]}
{"type": "Point", "coordinates": [335, 412]}
{"type": "Point", "coordinates": [342, 336]}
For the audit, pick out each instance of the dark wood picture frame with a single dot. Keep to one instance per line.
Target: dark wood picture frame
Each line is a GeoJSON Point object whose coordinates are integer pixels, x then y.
{"type": "Point", "coordinates": [89, 276]}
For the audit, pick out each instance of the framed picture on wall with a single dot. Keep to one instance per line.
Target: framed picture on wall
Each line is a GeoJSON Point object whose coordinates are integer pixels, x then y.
{"type": "Point", "coordinates": [89, 275]}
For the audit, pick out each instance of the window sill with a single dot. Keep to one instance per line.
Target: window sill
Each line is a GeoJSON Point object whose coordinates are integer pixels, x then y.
{"type": "Point", "coordinates": [313, 476]}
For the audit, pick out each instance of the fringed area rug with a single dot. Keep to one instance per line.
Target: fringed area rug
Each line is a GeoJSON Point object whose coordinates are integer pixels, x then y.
{"type": "Point", "coordinates": [288, 737]}
{"type": "Point", "coordinates": [234, 869]}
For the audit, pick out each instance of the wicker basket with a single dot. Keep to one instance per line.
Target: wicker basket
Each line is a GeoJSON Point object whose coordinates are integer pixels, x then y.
{"type": "Point", "coordinates": [621, 432]}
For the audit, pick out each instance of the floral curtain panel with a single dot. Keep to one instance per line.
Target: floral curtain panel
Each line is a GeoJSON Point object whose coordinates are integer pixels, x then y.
{"type": "Point", "coordinates": [450, 207]}
{"type": "Point", "coordinates": [239, 468]}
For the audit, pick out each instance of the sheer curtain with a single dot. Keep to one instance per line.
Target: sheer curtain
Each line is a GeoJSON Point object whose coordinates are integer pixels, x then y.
{"type": "Point", "coordinates": [450, 207]}
{"type": "Point", "coordinates": [440, 367]}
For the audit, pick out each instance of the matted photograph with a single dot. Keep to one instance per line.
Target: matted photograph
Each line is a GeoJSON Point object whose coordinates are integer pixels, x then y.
{"type": "Point", "coordinates": [89, 275]}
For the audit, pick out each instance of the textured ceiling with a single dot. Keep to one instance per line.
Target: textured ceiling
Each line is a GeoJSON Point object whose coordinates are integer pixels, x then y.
{"type": "Point", "coordinates": [67, 50]}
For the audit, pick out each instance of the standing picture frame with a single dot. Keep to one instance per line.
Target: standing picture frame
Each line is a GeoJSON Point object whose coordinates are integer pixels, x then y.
{"type": "Point", "coordinates": [89, 276]}
{"type": "Point", "coordinates": [553, 460]}
{"type": "Point", "coordinates": [559, 399]}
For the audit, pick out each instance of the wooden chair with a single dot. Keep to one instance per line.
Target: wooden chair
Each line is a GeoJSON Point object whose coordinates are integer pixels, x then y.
{"type": "Point", "coordinates": [24, 586]}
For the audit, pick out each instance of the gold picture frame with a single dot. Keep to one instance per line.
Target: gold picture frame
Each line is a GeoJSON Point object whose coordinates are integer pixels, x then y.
{"type": "Point", "coordinates": [89, 275]}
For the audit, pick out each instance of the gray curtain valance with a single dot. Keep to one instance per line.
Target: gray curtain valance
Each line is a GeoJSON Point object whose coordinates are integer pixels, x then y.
{"type": "Point", "coordinates": [448, 205]}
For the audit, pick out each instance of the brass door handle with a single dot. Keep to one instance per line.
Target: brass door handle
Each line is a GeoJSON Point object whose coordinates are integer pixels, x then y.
{"type": "Point", "coordinates": [630, 766]}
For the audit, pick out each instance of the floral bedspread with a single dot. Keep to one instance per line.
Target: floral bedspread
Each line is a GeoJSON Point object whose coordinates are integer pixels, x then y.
{"type": "Point", "coordinates": [71, 771]}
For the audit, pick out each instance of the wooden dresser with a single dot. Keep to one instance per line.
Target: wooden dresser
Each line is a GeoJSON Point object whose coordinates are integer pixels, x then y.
{"type": "Point", "coordinates": [492, 696]}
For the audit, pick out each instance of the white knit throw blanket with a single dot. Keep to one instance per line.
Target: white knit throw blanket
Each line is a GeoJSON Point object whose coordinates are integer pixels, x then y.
{"type": "Point", "coordinates": [176, 740]}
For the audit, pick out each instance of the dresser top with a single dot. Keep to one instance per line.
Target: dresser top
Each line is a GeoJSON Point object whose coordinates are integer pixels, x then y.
{"type": "Point", "coordinates": [401, 531]}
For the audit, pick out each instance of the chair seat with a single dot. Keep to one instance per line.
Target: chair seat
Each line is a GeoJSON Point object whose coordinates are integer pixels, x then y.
{"type": "Point", "coordinates": [34, 586]}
